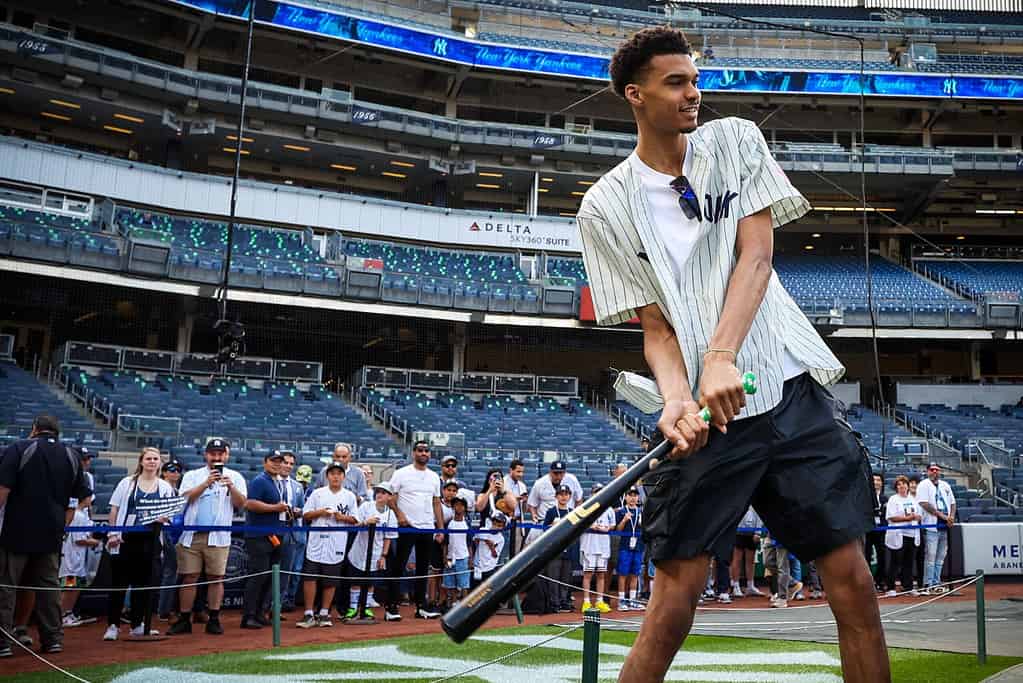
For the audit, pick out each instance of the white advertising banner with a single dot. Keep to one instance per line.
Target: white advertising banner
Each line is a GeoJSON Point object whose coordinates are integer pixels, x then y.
{"type": "Point", "coordinates": [993, 547]}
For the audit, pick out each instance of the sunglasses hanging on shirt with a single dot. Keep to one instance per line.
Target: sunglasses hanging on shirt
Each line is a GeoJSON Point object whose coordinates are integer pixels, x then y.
{"type": "Point", "coordinates": [687, 200]}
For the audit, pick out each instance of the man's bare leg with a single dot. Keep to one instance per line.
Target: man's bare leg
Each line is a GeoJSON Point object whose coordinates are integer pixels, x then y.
{"type": "Point", "coordinates": [850, 586]}
{"type": "Point", "coordinates": [669, 616]}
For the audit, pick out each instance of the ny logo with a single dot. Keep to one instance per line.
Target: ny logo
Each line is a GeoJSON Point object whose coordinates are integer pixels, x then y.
{"type": "Point", "coordinates": [716, 208]}
{"type": "Point", "coordinates": [440, 47]}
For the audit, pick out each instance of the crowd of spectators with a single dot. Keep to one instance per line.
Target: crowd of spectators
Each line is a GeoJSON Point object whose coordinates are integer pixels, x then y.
{"type": "Point", "coordinates": [452, 539]}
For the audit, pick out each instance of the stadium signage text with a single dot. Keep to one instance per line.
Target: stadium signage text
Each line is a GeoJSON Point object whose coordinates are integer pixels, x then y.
{"type": "Point", "coordinates": [1005, 556]}
{"type": "Point", "coordinates": [521, 234]}
{"type": "Point", "coordinates": [335, 24]}
{"type": "Point", "coordinates": [994, 547]}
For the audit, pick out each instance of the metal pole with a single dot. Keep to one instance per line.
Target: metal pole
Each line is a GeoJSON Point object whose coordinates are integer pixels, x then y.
{"type": "Point", "coordinates": [981, 619]}
{"type": "Point", "coordinates": [275, 587]}
{"type": "Point", "coordinates": [591, 645]}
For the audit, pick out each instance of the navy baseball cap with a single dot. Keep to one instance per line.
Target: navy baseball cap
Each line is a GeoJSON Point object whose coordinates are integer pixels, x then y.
{"type": "Point", "coordinates": [564, 488]}
{"type": "Point", "coordinates": [334, 466]}
{"type": "Point", "coordinates": [172, 466]}
{"type": "Point", "coordinates": [217, 445]}
{"type": "Point", "coordinates": [274, 455]}
{"type": "Point", "coordinates": [83, 453]}
{"type": "Point", "coordinates": [557, 466]}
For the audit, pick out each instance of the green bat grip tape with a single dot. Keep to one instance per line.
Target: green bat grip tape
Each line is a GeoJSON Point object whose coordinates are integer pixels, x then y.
{"type": "Point", "coordinates": [749, 385]}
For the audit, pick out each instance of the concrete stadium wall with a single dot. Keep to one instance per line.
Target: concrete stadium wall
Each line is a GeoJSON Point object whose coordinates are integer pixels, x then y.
{"type": "Point", "coordinates": [990, 395]}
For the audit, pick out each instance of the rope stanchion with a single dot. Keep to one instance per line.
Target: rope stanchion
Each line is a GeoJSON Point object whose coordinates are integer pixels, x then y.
{"type": "Point", "coordinates": [591, 645]}
{"type": "Point", "coordinates": [981, 620]}
{"type": "Point", "coordinates": [275, 586]}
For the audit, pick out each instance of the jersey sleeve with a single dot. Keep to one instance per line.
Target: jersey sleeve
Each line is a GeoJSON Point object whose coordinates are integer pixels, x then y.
{"type": "Point", "coordinates": [615, 289]}
{"type": "Point", "coordinates": [311, 502]}
{"type": "Point", "coordinates": [762, 182]}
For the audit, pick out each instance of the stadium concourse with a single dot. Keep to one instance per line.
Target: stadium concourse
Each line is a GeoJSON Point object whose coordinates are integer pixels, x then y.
{"type": "Point", "coordinates": [360, 274]}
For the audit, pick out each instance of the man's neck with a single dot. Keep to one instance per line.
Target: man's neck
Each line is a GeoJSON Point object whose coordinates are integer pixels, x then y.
{"type": "Point", "coordinates": [665, 154]}
{"type": "Point", "coordinates": [334, 490]}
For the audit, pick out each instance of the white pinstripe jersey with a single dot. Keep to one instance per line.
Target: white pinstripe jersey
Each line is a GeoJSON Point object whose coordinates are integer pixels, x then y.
{"type": "Point", "coordinates": [733, 175]}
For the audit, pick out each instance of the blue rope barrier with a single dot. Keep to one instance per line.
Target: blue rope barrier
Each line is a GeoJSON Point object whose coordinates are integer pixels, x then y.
{"type": "Point", "coordinates": [243, 528]}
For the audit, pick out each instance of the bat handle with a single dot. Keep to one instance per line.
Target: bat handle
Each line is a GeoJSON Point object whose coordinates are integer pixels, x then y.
{"type": "Point", "coordinates": [749, 385]}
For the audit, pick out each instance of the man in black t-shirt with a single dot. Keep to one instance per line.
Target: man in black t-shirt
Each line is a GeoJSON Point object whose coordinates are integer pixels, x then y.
{"type": "Point", "coordinates": [38, 476]}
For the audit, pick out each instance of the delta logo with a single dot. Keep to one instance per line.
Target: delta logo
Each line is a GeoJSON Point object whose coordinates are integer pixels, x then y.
{"type": "Point", "coordinates": [508, 228]}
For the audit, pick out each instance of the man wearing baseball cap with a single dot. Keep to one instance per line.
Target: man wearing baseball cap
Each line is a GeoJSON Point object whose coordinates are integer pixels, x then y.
{"type": "Point", "coordinates": [939, 504]}
{"type": "Point", "coordinates": [449, 471]}
{"type": "Point", "coordinates": [266, 507]}
{"type": "Point", "coordinates": [212, 493]}
{"type": "Point", "coordinates": [542, 497]}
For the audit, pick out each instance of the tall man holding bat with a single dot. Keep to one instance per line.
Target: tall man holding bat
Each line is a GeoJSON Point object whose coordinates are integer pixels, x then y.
{"type": "Point", "coordinates": [680, 235]}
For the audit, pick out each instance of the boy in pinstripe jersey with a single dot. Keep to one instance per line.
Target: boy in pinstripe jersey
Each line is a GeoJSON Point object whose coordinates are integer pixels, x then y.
{"type": "Point", "coordinates": [680, 235]}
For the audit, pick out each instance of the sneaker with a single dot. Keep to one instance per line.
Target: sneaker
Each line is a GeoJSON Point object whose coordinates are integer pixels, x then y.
{"type": "Point", "coordinates": [5, 650]}
{"type": "Point", "coordinates": [754, 592]}
{"type": "Point", "coordinates": [323, 621]}
{"type": "Point", "coordinates": [636, 605]}
{"type": "Point", "coordinates": [794, 589]}
{"type": "Point", "coordinates": [799, 596]}
{"type": "Point", "coordinates": [70, 620]}
{"type": "Point", "coordinates": [938, 590]}
{"type": "Point", "coordinates": [392, 616]}
{"type": "Point", "coordinates": [724, 599]}
{"type": "Point", "coordinates": [587, 606]}
{"type": "Point", "coordinates": [426, 613]}
{"type": "Point", "coordinates": [890, 594]}
{"type": "Point", "coordinates": [709, 593]}
{"type": "Point", "coordinates": [213, 627]}
{"type": "Point", "coordinates": [251, 623]}
{"type": "Point", "coordinates": [623, 606]}
{"type": "Point", "coordinates": [737, 592]}
{"type": "Point", "coordinates": [21, 635]}
{"type": "Point", "coordinates": [352, 613]}
{"type": "Point", "coordinates": [308, 621]}
{"type": "Point", "coordinates": [111, 632]}
{"type": "Point", "coordinates": [700, 600]}
{"type": "Point", "coordinates": [181, 626]}
{"type": "Point", "coordinates": [915, 593]}
{"type": "Point", "coordinates": [164, 617]}
{"type": "Point", "coordinates": [603, 607]}
{"type": "Point", "coordinates": [926, 591]}
{"type": "Point", "coordinates": [816, 594]}
{"type": "Point", "coordinates": [53, 648]}
{"type": "Point", "coordinates": [370, 602]}
{"type": "Point", "coordinates": [780, 603]}
{"type": "Point", "coordinates": [368, 614]}
{"type": "Point", "coordinates": [140, 630]}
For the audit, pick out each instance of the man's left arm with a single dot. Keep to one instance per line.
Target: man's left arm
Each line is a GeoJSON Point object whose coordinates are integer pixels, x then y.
{"type": "Point", "coordinates": [438, 519]}
{"type": "Point", "coordinates": [951, 508]}
{"type": "Point", "coordinates": [720, 382]}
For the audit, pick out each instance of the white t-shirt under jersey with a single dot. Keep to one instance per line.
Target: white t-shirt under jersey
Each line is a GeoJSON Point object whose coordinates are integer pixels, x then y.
{"type": "Point", "coordinates": [679, 233]}
{"type": "Point", "coordinates": [416, 490]}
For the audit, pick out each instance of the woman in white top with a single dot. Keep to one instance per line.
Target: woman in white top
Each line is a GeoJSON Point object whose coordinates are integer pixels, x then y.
{"type": "Point", "coordinates": [132, 554]}
{"type": "Point", "coordinates": [901, 511]}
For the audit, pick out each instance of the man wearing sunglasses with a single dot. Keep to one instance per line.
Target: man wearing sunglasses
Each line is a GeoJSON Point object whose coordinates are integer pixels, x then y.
{"type": "Point", "coordinates": [416, 504]}
{"type": "Point", "coordinates": [680, 235]}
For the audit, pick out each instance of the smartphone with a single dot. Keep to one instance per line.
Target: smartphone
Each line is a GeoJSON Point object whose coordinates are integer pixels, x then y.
{"type": "Point", "coordinates": [219, 467]}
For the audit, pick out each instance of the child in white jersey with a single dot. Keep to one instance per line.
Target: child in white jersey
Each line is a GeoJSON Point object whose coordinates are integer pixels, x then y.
{"type": "Point", "coordinates": [456, 574]}
{"type": "Point", "coordinates": [73, 570]}
{"type": "Point", "coordinates": [376, 512]}
{"type": "Point", "coordinates": [489, 543]}
{"type": "Point", "coordinates": [595, 551]}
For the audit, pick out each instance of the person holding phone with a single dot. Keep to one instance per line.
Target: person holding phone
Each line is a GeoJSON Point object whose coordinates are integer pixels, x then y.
{"type": "Point", "coordinates": [212, 493]}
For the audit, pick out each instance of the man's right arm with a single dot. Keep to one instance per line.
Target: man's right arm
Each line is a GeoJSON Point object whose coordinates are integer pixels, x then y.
{"type": "Point", "coordinates": [196, 487]}
{"type": "Point", "coordinates": [680, 422]}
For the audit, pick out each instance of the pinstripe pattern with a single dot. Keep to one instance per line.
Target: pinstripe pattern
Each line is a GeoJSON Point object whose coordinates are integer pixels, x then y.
{"type": "Point", "coordinates": [616, 226]}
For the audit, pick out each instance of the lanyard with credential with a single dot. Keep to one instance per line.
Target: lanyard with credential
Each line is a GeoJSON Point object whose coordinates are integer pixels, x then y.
{"type": "Point", "coordinates": [634, 521]}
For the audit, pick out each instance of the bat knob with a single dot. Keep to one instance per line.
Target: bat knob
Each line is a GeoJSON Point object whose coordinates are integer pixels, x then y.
{"type": "Point", "coordinates": [749, 383]}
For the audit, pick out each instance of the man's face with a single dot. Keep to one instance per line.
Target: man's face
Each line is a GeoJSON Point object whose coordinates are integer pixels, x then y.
{"type": "Point", "coordinates": [342, 455]}
{"type": "Point", "coordinates": [421, 454]}
{"type": "Point", "coordinates": [556, 477]}
{"type": "Point", "coordinates": [335, 478]}
{"type": "Point", "coordinates": [449, 469]}
{"type": "Point", "coordinates": [516, 472]}
{"type": "Point", "coordinates": [287, 465]}
{"type": "Point", "coordinates": [620, 470]}
{"type": "Point", "coordinates": [666, 96]}
{"type": "Point", "coordinates": [934, 474]}
{"type": "Point", "coordinates": [272, 466]}
{"type": "Point", "coordinates": [213, 457]}
{"type": "Point", "coordinates": [878, 483]}
{"type": "Point", "coordinates": [912, 488]}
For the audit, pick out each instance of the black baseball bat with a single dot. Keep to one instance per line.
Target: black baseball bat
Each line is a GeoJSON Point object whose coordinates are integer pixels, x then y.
{"type": "Point", "coordinates": [462, 620]}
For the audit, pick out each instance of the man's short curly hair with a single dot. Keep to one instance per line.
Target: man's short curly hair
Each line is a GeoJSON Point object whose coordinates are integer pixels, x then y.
{"type": "Point", "coordinates": [635, 54]}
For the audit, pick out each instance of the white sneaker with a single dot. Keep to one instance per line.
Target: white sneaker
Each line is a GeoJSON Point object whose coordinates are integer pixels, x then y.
{"type": "Point", "coordinates": [370, 602]}
{"type": "Point", "coordinates": [637, 605]}
{"type": "Point", "coordinates": [737, 592]}
{"type": "Point", "coordinates": [425, 613]}
{"type": "Point", "coordinates": [111, 632]}
{"type": "Point", "coordinates": [140, 630]}
{"type": "Point", "coordinates": [753, 591]}
{"type": "Point", "coordinates": [915, 593]}
{"type": "Point", "coordinates": [780, 603]}
{"type": "Point", "coordinates": [725, 599]}
{"type": "Point", "coordinates": [800, 596]}
{"type": "Point", "coordinates": [70, 620]}
{"type": "Point", "coordinates": [623, 606]}
{"type": "Point", "coordinates": [938, 590]}
{"type": "Point", "coordinates": [392, 616]}
{"type": "Point", "coordinates": [890, 594]}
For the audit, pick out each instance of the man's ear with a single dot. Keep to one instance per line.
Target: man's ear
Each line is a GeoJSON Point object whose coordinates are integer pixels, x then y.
{"type": "Point", "coordinates": [632, 94]}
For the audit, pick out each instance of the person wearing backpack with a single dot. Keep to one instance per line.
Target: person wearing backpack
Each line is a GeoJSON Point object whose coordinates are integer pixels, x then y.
{"type": "Point", "coordinates": [38, 478]}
